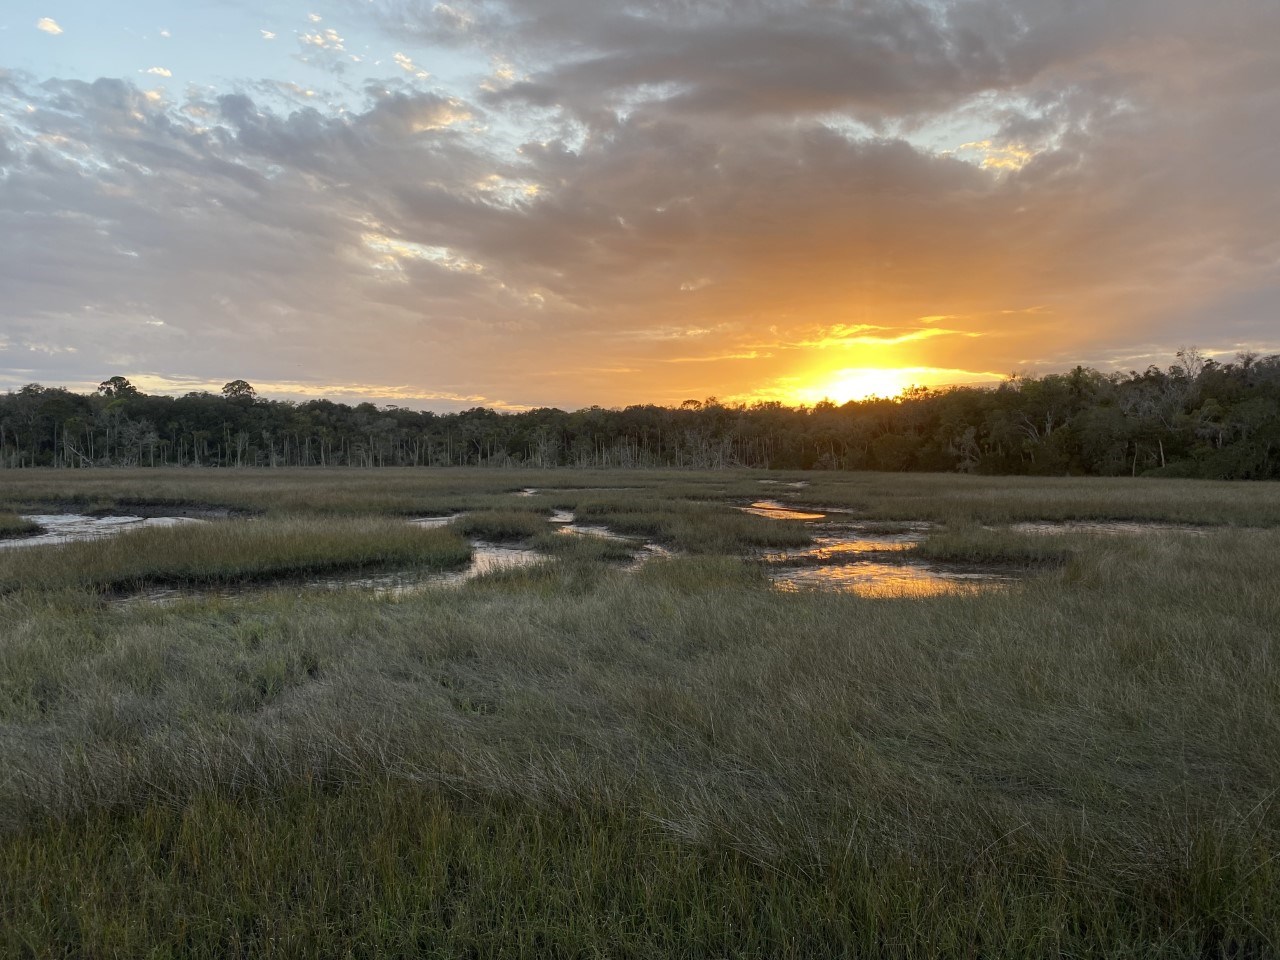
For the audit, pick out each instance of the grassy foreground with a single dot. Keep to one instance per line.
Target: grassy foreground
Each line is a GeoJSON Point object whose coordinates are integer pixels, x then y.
{"type": "Point", "coordinates": [571, 760]}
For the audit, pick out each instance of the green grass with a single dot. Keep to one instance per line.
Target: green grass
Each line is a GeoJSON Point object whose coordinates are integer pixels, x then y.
{"type": "Point", "coordinates": [405, 492]}
{"type": "Point", "coordinates": [949, 498]}
{"type": "Point", "coordinates": [234, 551]}
{"type": "Point", "coordinates": [12, 525]}
{"type": "Point", "coordinates": [586, 548]}
{"type": "Point", "coordinates": [572, 760]}
{"type": "Point", "coordinates": [383, 870]}
{"type": "Point", "coordinates": [421, 492]}
{"type": "Point", "coordinates": [691, 526]}
{"type": "Point", "coordinates": [971, 544]}
{"type": "Point", "coordinates": [501, 525]}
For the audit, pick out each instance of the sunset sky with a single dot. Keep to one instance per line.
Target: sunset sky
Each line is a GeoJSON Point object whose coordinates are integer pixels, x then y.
{"type": "Point", "coordinates": [518, 203]}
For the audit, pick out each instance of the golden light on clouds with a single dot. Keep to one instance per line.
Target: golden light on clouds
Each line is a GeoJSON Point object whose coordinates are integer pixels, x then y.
{"type": "Point", "coordinates": [994, 156]}
{"type": "Point", "coordinates": [868, 335]}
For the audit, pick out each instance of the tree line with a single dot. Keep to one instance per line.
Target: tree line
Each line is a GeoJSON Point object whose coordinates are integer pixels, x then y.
{"type": "Point", "coordinates": [1197, 418]}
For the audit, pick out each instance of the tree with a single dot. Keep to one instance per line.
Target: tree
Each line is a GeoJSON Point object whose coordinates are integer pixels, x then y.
{"type": "Point", "coordinates": [239, 390]}
{"type": "Point", "coordinates": [1198, 418]}
{"type": "Point", "coordinates": [117, 388]}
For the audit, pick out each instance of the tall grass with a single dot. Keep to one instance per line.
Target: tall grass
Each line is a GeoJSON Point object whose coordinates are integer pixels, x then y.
{"type": "Point", "coordinates": [691, 526]}
{"type": "Point", "coordinates": [230, 552]}
{"type": "Point", "coordinates": [502, 525]}
{"type": "Point", "coordinates": [951, 498]}
{"type": "Point", "coordinates": [421, 492]}
{"type": "Point", "coordinates": [969, 543]}
{"type": "Point", "coordinates": [12, 525]}
{"type": "Point", "coordinates": [570, 760]}
{"type": "Point", "coordinates": [586, 548]}
{"type": "Point", "coordinates": [383, 870]}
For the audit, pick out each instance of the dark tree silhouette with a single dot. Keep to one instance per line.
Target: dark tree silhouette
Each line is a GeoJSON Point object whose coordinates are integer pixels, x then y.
{"type": "Point", "coordinates": [1198, 418]}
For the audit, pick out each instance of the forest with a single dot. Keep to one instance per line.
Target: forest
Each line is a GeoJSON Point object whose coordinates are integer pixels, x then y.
{"type": "Point", "coordinates": [1197, 418]}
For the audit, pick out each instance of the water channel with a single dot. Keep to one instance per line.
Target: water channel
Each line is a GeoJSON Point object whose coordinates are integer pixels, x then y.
{"type": "Point", "coordinates": [60, 528]}
{"type": "Point", "coordinates": [486, 557]}
{"type": "Point", "coordinates": [863, 557]}
{"type": "Point", "coordinates": [849, 555]}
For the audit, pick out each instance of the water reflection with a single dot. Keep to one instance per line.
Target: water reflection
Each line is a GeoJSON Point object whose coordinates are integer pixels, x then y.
{"type": "Point", "coordinates": [645, 550]}
{"type": "Point", "coordinates": [850, 541]}
{"type": "Point", "coordinates": [842, 557]}
{"type": "Point", "coordinates": [780, 511]}
{"type": "Point", "coordinates": [571, 528]}
{"type": "Point", "coordinates": [869, 579]}
{"type": "Point", "coordinates": [61, 528]}
{"type": "Point", "coordinates": [432, 523]}
{"type": "Point", "coordinates": [485, 558]}
{"type": "Point", "coordinates": [849, 557]}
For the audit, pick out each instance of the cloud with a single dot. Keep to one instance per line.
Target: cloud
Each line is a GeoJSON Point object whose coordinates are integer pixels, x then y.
{"type": "Point", "coordinates": [879, 60]}
{"type": "Point", "coordinates": [658, 200]}
{"type": "Point", "coordinates": [49, 26]}
{"type": "Point", "coordinates": [408, 66]}
{"type": "Point", "coordinates": [324, 39]}
{"type": "Point", "coordinates": [325, 50]}
{"type": "Point", "coordinates": [160, 71]}
{"type": "Point", "coordinates": [267, 35]}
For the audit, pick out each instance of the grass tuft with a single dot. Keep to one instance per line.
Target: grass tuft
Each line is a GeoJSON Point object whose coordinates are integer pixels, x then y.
{"type": "Point", "coordinates": [585, 548]}
{"type": "Point", "coordinates": [12, 525]}
{"type": "Point", "coordinates": [692, 526]}
{"type": "Point", "coordinates": [501, 525]}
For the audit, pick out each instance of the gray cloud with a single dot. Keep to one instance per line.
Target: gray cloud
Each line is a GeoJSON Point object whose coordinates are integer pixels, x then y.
{"type": "Point", "coordinates": [880, 60]}
{"type": "Point", "coordinates": [697, 180]}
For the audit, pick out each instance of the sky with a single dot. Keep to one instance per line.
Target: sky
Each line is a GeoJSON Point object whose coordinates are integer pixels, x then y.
{"type": "Point", "coordinates": [523, 203]}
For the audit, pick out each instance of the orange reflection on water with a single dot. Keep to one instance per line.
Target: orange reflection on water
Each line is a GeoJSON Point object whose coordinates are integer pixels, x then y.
{"type": "Point", "coordinates": [836, 548]}
{"type": "Point", "coordinates": [885, 580]}
{"type": "Point", "coordinates": [779, 511]}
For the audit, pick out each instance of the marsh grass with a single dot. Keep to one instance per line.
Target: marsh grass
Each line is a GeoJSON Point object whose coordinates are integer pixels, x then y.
{"type": "Point", "coordinates": [972, 544]}
{"type": "Point", "coordinates": [642, 771]}
{"type": "Point", "coordinates": [411, 492]}
{"type": "Point", "coordinates": [570, 760]}
{"type": "Point", "coordinates": [502, 878]}
{"type": "Point", "coordinates": [404, 492]}
{"type": "Point", "coordinates": [230, 552]}
{"type": "Point", "coordinates": [693, 526]}
{"type": "Point", "coordinates": [998, 500]}
{"type": "Point", "coordinates": [585, 548]}
{"type": "Point", "coordinates": [882, 527]}
{"type": "Point", "coordinates": [12, 525]}
{"type": "Point", "coordinates": [511, 524]}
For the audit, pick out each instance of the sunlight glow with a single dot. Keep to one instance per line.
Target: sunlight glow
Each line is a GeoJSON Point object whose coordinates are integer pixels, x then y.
{"type": "Point", "coordinates": [863, 383]}
{"type": "Point", "coordinates": [841, 386]}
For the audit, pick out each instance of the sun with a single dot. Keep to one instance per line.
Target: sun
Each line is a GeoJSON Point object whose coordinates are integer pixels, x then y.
{"type": "Point", "coordinates": [841, 386]}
